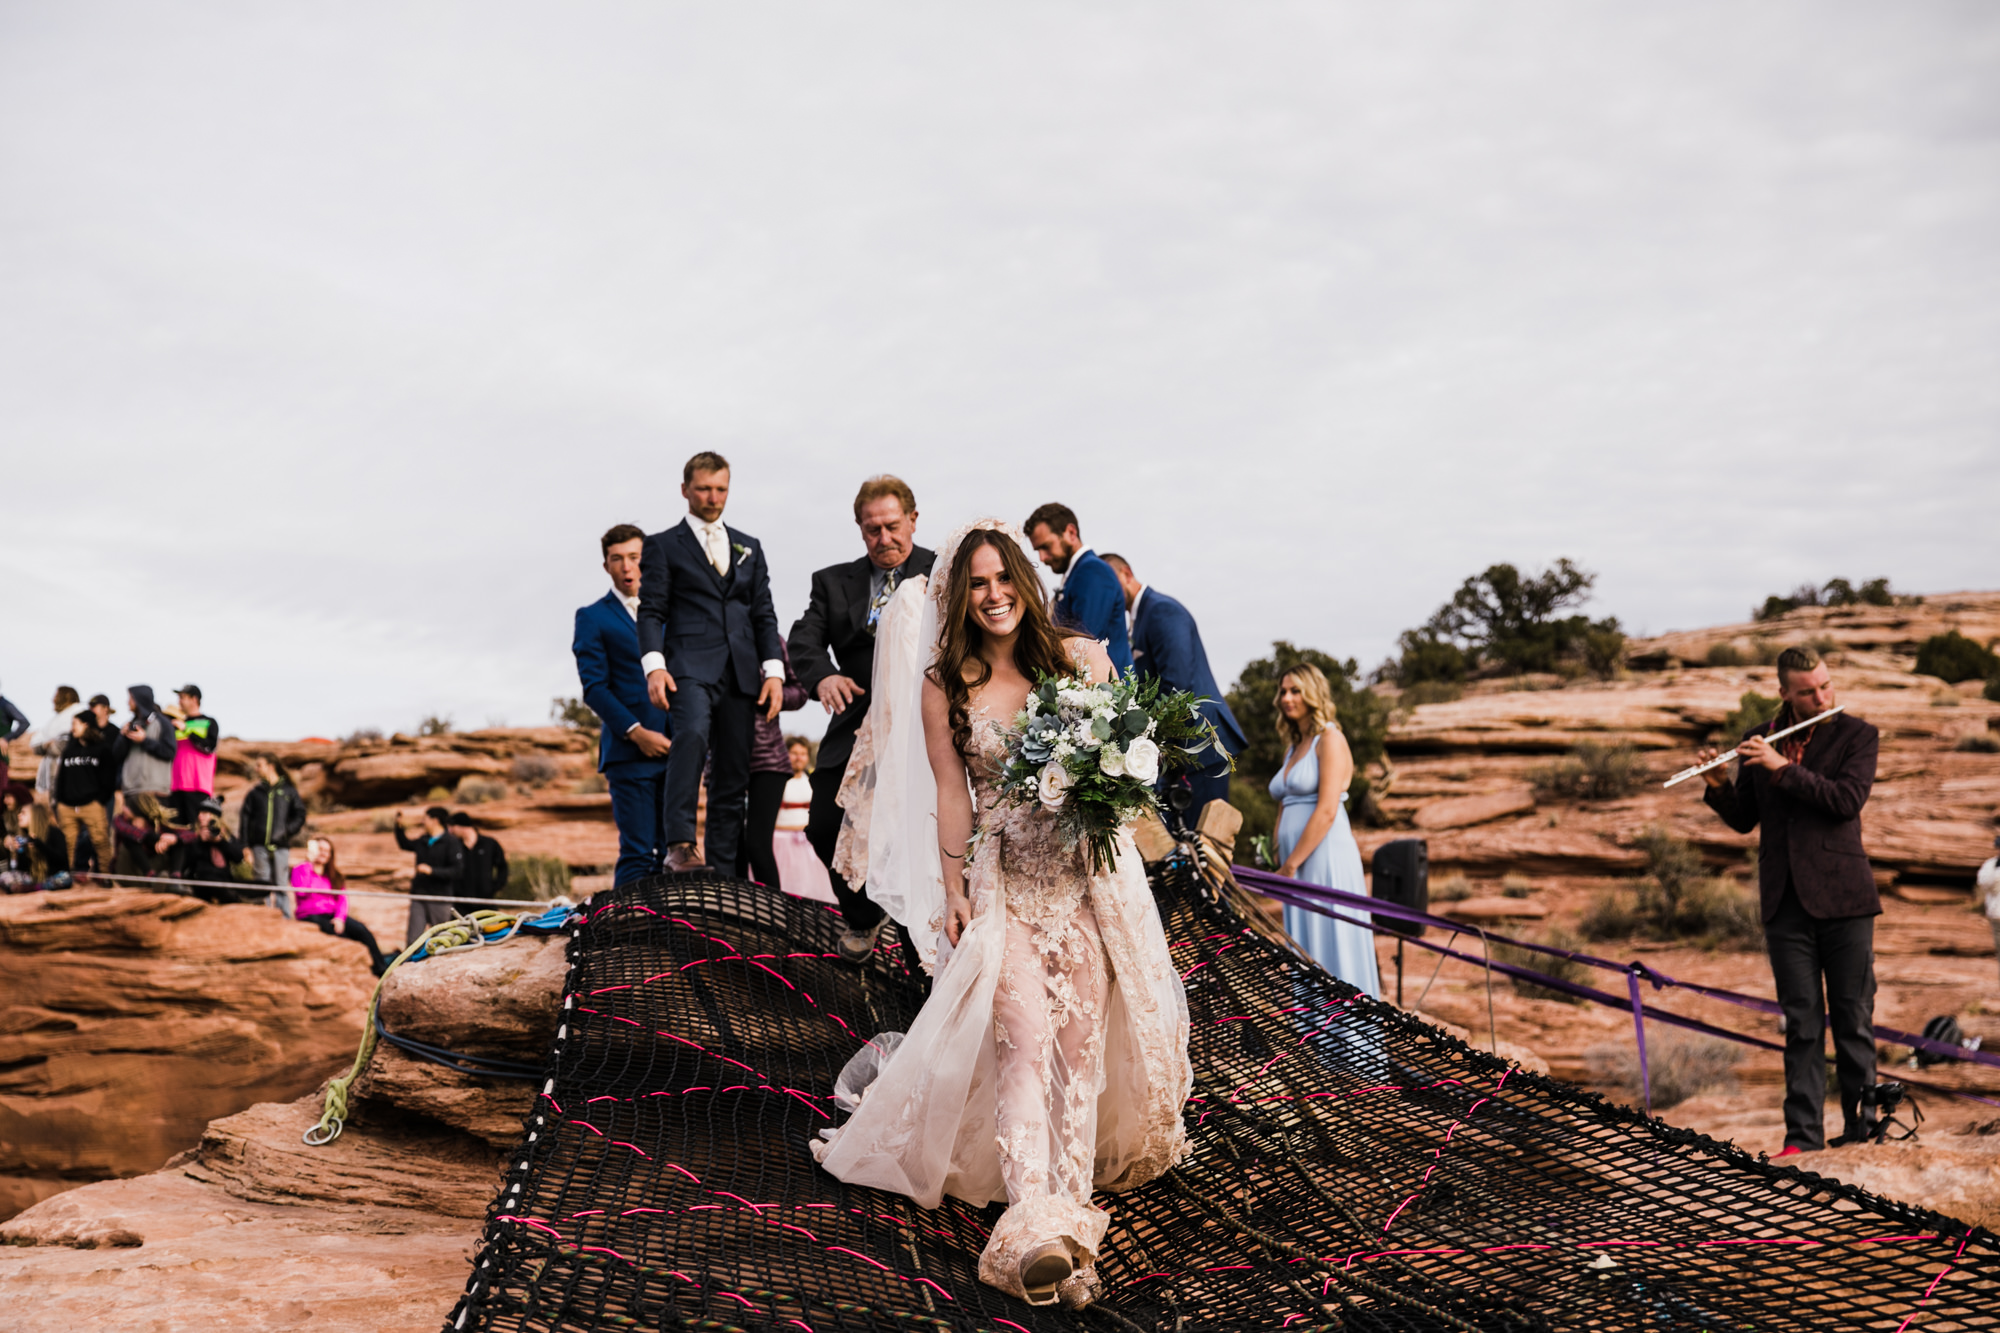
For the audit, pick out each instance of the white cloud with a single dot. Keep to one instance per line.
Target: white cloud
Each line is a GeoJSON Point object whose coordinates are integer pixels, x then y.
{"type": "Point", "coordinates": [331, 340]}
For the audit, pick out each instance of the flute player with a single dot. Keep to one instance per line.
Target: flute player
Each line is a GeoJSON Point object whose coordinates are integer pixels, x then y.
{"type": "Point", "coordinates": [1817, 892]}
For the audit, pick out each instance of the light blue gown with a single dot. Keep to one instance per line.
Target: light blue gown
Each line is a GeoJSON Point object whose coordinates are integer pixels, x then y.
{"type": "Point", "coordinates": [1341, 947]}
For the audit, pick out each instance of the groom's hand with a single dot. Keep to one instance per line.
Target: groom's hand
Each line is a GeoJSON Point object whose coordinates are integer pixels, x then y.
{"type": "Point", "coordinates": [836, 692]}
{"type": "Point", "coordinates": [658, 686]}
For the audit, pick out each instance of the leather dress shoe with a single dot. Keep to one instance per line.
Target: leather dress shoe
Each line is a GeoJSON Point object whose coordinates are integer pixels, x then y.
{"type": "Point", "coordinates": [683, 856]}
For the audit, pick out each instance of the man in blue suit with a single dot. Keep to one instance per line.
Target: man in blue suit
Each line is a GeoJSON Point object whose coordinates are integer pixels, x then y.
{"type": "Point", "coordinates": [1167, 643]}
{"type": "Point", "coordinates": [633, 746]}
{"type": "Point", "coordinates": [712, 654]}
{"type": "Point", "coordinates": [1090, 598]}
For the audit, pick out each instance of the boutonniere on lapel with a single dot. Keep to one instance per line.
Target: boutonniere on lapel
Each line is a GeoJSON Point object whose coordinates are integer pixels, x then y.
{"type": "Point", "coordinates": [742, 551]}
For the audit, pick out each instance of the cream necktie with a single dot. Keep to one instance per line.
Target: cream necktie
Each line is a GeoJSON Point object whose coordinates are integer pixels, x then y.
{"type": "Point", "coordinates": [716, 538]}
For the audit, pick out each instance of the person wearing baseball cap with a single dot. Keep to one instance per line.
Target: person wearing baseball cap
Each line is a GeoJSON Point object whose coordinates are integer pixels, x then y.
{"type": "Point", "coordinates": [195, 738]}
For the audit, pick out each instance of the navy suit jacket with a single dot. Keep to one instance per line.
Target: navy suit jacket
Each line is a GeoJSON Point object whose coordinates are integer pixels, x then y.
{"type": "Point", "coordinates": [1167, 643]}
{"type": "Point", "coordinates": [711, 629]}
{"type": "Point", "coordinates": [607, 663]}
{"type": "Point", "coordinates": [1093, 601]}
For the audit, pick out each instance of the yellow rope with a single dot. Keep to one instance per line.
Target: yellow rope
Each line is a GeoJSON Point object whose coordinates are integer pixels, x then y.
{"type": "Point", "coordinates": [458, 932]}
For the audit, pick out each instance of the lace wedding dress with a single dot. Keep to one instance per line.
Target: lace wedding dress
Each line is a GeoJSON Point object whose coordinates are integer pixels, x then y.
{"type": "Point", "coordinates": [1051, 1058]}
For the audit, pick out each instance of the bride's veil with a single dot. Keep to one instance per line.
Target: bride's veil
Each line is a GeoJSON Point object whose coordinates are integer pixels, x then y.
{"type": "Point", "coordinates": [904, 875]}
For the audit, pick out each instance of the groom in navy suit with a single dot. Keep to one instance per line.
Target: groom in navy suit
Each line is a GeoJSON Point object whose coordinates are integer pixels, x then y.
{"type": "Point", "coordinates": [712, 654]}
{"type": "Point", "coordinates": [1090, 598]}
{"type": "Point", "coordinates": [1167, 643]}
{"type": "Point", "coordinates": [632, 746]}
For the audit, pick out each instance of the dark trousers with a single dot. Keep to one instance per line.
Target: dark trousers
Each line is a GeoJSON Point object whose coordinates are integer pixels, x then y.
{"type": "Point", "coordinates": [823, 831]}
{"type": "Point", "coordinates": [755, 859]}
{"type": "Point", "coordinates": [1841, 950]}
{"type": "Point", "coordinates": [638, 798]}
{"type": "Point", "coordinates": [708, 715]}
{"type": "Point", "coordinates": [355, 931]}
{"type": "Point", "coordinates": [185, 805]}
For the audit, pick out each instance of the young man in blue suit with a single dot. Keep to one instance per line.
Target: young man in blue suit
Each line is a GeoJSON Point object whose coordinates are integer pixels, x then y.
{"type": "Point", "coordinates": [633, 746]}
{"type": "Point", "coordinates": [1090, 598]}
{"type": "Point", "coordinates": [712, 654]}
{"type": "Point", "coordinates": [1167, 643]}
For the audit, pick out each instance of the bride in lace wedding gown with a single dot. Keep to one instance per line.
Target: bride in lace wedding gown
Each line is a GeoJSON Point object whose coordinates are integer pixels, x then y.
{"type": "Point", "coordinates": [1051, 1058]}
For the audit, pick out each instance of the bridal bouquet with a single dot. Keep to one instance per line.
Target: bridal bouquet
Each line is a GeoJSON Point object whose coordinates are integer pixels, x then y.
{"type": "Point", "coordinates": [1091, 753]}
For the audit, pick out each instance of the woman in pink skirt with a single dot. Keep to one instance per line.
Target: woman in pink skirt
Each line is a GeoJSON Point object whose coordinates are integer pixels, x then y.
{"type": "Point", "coordinates": [800, 870]}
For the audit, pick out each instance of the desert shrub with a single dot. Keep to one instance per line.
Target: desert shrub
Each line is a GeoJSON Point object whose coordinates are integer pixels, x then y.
{"type": "Point", "coordinates": [1678, 900]}
{"type": "Point", "coordinates": [536, 878]}
{"type": "Point", "coordinates": [1724, 654]}
{"type": "Point", "coordinates": [1679, 1065]}
{"type": "Point", "coordinates": [1431, 692]}
{"type": "Point", "coordinates": [437, 796]}
{"type": "Point", "coordinates": [362, 736]}
{"type": "Point", "coordinates": [1506, 618]}
{"type": "Point", "coordinates": [575, 714]}
{"type": "Point", "coordinates": [383, 821]}
{"type": "Point", "coordinates": [1604, 648]}
{"type": "Point", "coordinates": [1590, 772]}
{"type": "Point", "coordinates": [591, 784]}
{"type": "Point", "coordinates": [1516, 886]}
{"type": "Point", "coordinates": [1453, 888]}
{"type": "Point", "coordinates": [434, 724]}
{"type": "Point", "coordinates": [1752, 710]}
{"type": "Point", "coordinates": [533, 770]}
{"type": "Point", "coordinates": [1952, 657]}
{"type": "Point", "coordinates": [1562, 969]}
{"type": "Point", "coordinates": [1612, 915]}
{"type": "Point", "coordinates": [1978, 743]}
{"type": "Point", "coordinates": [1992, 690]}
{"type": "Point", "coordinates": [1835, 592]}
{"type": "Point", "coordinates": [475, 790]}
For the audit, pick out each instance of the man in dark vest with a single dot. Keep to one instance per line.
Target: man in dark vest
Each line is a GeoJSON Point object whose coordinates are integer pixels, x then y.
{"type": "Point", "coordinates": [1818, 893]}
{"type": "Point", "coordinates": [833, 653]}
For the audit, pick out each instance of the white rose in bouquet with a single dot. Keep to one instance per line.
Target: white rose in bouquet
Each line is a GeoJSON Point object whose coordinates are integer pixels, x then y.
{"type": "Point", "coordinates": [1054, 785]}
{"type": "Point", "coordinates": [1111, 761]}
{"type": "Point", "coordinates": [1142, 760]}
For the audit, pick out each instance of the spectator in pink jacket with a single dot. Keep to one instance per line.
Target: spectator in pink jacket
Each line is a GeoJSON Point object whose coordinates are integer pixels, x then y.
{"type": "Point", "coordinates": [321, 893]}
{"type": "Point", "coordinates": [195, 739]}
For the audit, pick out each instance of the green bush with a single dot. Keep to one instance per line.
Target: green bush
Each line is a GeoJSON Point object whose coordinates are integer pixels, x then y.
{"type": "Point", "coordinates": [575, 714]}
{"type": "Point", "coordinates": [533, 770]}
{"type": "Point", "coordinates": [1590, 772]}
{"type": "Point", "coordinates": [434, 724]}
{"type": "Point", "coordinates": [1453, 888]}
{"type": "Point", "coordinates": [1752, 710]}
{"type": "Point", "coordinates": [475, 790]}
{"type": "Point", "coordinates": [1978, 743]}
{"type": "Point", "coordinates": [536, 878]}
{"type": "Point", "coordinates": [1612, 915]}
{"type": "Point", "coordinates": [1430, 692]}
{"type": "Point", "coordinates": [1952, 657]}
{"type": "Point", "coordinates": [1724, 654]}
{"type": "Point", "coordinates": [1562, 969]}
{"type": "Point", "coordinates": [1510, 619]}
{"type": "Point", "coordinates": [1992, 690]}
{"type": "Point", "coordinates": [1836, 592]}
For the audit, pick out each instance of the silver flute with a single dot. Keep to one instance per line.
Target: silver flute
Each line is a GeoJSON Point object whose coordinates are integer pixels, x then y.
{"type": "Point", "coordinates": [1722, 759]}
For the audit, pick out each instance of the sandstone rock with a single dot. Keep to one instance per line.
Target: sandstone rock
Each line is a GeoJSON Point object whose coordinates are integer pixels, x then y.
{"type": "Point", "coordinates": [1891, 629]}
{"type": "Point", "coordinates": [132, 1019]}
{"type": "Point", "coordinates": [210, 1261]}
{"type": "Point", "coordinates": [401, 774]}
{"type": "Point", "coordinates": [1463, 811]}
{"type": "Point", "coordinates": [1491, 909]}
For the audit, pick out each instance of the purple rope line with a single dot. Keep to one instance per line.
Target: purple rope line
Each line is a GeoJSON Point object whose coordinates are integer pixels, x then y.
{"type": "Point", "coordinates": [1639, 1028]}
{"type": "Point", "coordinates": [1317, 898]}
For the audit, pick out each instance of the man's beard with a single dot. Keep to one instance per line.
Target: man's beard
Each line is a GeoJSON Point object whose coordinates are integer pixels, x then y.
{"type": "Point", "coordinates": [1060, 564]}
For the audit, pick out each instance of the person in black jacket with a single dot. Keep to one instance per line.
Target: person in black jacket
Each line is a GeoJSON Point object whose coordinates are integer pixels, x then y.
{"type": "Point", "coordinates": [440, 867]}
{"type": "Point", "coordinates": [1816, 891]}
{"type": "Point", "coordinates": [210, 858]}
{"type": "Point", "coordinates": [85, 780]}
{"type": "Point", "coordinates": [272, 817]}
{"type": "Point", "coordinates": [832, 649]}
{"type": "Point", "coordinates": [485, 860]}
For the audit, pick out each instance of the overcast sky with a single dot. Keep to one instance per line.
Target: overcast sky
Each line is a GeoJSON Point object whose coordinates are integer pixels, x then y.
{"type": "Point", "coordinates": [331, 337]}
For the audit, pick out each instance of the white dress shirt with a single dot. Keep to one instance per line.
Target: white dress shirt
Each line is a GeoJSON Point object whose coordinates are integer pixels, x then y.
{"type": "Point", "coordinates": [713, 538]}
{"type": "Point", "coordinates": [1132, 612]}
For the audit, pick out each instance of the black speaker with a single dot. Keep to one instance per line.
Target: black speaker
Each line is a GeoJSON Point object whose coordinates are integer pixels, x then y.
{"type": "Point", "coordinates": [1403, 877]}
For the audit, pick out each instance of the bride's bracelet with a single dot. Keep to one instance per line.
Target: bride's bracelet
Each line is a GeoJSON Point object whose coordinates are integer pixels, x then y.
{"type": "Point", "coordinates": [956, 856]}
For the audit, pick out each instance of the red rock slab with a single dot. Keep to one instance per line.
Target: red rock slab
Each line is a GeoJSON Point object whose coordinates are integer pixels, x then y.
{"type": "Point", "coordinates": [1464, 811]}
{"type": "Point", "coordinates": [213, 1262]}
{"type": "Point", "coordinates": [1491, 909]}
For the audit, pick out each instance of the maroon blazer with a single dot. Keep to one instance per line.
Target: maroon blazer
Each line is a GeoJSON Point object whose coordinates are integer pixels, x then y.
{"type": "Point", "coordinates": [1811, 813]}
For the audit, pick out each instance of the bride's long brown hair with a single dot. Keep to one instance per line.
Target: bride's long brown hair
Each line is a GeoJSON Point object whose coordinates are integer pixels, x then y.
{"type": "Point", "coordinates": [1040, 648]}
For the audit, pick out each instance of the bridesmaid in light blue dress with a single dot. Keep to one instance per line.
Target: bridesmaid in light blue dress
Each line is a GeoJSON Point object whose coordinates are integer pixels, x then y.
{"type": "Point", "coordinates": [1315, 841]}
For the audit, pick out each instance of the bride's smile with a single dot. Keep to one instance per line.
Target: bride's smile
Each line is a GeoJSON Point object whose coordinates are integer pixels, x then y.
{"type": "Point", "coordinates": [992, 594]}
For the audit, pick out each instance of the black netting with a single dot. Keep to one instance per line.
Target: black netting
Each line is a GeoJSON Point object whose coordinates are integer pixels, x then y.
{"type": "Point", "coordinates": [1353, 1168]}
